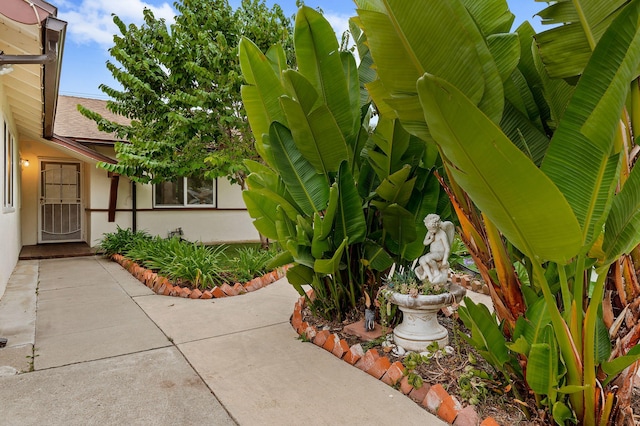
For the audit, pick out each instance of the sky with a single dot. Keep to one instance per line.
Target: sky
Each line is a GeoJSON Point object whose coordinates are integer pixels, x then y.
{"type": "Point", "coordinates": [90, 32]}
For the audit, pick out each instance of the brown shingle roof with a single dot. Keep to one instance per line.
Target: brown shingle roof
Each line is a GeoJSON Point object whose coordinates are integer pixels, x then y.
{"type": "Point", "coordinates": [70, 123]}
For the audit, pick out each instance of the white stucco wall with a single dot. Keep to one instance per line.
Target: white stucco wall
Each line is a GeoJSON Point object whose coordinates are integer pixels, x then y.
{"type": "Point", "coordinates": [9, 218]}
{"type": "Point", "coordinates": [229, 222]}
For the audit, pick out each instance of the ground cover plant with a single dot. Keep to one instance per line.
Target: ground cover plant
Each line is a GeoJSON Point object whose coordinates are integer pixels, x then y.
{"type": "Point", "coordinates": [536, 153]}
{"type": "Point", "coordinates": [189, 264]}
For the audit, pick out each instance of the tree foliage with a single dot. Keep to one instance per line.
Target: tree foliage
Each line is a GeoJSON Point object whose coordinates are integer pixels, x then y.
{"type": "Point", "coordinates": [181, 89]}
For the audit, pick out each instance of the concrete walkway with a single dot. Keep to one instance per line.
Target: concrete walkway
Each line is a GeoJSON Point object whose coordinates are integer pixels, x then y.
{"type": "Point", "coordinates": [98, 347]}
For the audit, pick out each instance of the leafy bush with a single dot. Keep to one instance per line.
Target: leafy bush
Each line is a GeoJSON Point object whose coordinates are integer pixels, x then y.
{"type": "Point", "coordinates": [121, 241]}
{"type": "Point", "coordinates": [188, 263]}
{"type": "Point", "coordinates": [249, 262]}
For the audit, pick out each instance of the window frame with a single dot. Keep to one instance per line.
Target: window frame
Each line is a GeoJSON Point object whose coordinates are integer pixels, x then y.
{"type": "Point", "coordinates": [9, 167]}
{"type": "Point", "coordinates": [185, 204]}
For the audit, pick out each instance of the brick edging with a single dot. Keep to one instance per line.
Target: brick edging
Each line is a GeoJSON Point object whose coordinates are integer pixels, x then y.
{"type": "Point", "coordinates": [163, 286]}
{"type": "Point", "coordinates": [434, 398]}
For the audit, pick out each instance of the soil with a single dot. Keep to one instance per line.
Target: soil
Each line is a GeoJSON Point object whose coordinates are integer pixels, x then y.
{"type": "Point", "coordinates": [493, 398]}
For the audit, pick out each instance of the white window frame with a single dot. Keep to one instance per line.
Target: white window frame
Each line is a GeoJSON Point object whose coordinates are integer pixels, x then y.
{"type": "Point", "coordinates": [185, 204]}
{"type": "Point", "coordinates": [9, 167]}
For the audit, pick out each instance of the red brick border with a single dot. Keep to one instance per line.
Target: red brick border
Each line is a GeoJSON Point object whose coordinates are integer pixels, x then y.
{"type": "Point", "coordinates": [163, 286]}
{"type": "Point", "coordinates": [434, 398]}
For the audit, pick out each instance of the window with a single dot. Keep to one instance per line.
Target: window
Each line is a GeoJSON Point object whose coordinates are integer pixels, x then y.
{"type": "Point", "coordinates": [186, 192]}
{"type": "Point", "coordinates": [8, 142]}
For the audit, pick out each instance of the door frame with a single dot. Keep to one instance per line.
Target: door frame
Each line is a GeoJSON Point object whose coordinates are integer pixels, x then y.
{"type": "Point", "coordinates": [39, 195]}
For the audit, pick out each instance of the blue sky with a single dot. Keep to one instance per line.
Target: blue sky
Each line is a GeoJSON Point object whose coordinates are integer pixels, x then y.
{"type": "Point", "coordinates": [90, 32]}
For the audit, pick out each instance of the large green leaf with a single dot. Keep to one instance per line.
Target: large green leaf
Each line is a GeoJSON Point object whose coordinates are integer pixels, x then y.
{"type": "Point", "coordinates": [309, 189]}
{"type": "Point", "coordinates": [400, 224]}
{"type": "Point", "coordinates": [579, 159]}
{"type": "Point", "coordinates": [317, 136]}
{"type": "Point", "coordinates": [542, 365]}
{"type": "Point", "coordinates": [396, 188]}
{"type": "Point", "coordinates": [332, 265]}
{"type": "Point", "coordinates": [263, 211]}
{"type": "Point", "coordinates": [350, 221]}
{"type": "Point", "coordinates": [261, 94]}
{"type": "Point", "coordinates": [409, 38]}
{"type": "Point", "coordinates": [317, 54]}
{"type": "Point", "coordinates": [492, 16]}
{"type": "Point", "coordinates": [523, 203]}
{"type": "Point", "coordinates": [622, 230]}
{"type": "Point", "coordinates": [579, 25]}
{"type": "Point", "coordinates": [486, 336]}
{"type": "Point", "coordinates": [375, 256]}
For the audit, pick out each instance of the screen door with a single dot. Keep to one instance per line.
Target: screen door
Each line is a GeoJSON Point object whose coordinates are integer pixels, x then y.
{"type": "Point", "coordinates": [60, 202]}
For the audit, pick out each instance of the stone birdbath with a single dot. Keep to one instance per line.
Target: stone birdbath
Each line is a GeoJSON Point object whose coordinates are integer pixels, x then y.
{"type": "Point", "coordinates": [420, 326]}
{"type": "Point", "coordinates": [421, 291]}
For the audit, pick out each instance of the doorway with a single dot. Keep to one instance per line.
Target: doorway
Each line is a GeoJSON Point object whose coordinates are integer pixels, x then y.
{"type": "Point", "coordinates": [60, 213]}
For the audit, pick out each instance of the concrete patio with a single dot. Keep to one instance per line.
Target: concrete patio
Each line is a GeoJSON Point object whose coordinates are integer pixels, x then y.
{"type": "Point", "coordinates": [94, 346]}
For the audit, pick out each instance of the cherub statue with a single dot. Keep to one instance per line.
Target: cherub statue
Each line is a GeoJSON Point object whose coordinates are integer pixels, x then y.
{"type": "Point", "coordinates": [434, 265]}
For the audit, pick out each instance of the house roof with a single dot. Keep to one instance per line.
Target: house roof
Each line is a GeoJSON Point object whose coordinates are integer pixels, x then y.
{"type": "Point", "coordinates": [32, 46]}
{"type": "Point", "coordinates": [71, 124]}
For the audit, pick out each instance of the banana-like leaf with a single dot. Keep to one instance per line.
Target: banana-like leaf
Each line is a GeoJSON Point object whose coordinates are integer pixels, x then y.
{"type": "Point", "coordinates": [505, 49]}
{"type": "Point", "coordinates": [492, 16]}
{"type": "Point", "coordinates": [299, 275]}
{"type": "Point", "coordinates": [319, 244]}
{"type": "Point", "coordinates": [420, 205]}
{"type": "Point", "coordinates": [496, 175]}
{"type": "Point", "coordinates": [330, 213]}
{"type": "Point", "coordinates": [309, 189]}
{"type": "Point", "coordinates": [284, 258]}
{"type": "Point", "coordinates": [400, 224]}
{"type": "Point", "coordinates": [524, 134]}
{"type": "Point", "coordinates": [376, 257]}
{"type": "Point", "coordinates": [622, 230]}
{"type": "Point", "coordinates": [317, 136]}
{"type": "Point", "coordinates": [587, 131]}
{"type": "Point", "coordinates": [536, 319]}
{"type": "Point", "coordinates": [557, 92]}
{"type": "Point", "coordinates": [580, 24]}
{"type": "Point", "coordinates": [396, 188]}
{"type": "Point", "coordinates": [261, 94]}
{"type": "Point", "coordinates": [408, 39]}
{"type": "Point", "coordinates": [300, 89]}
{"type": "Point", "coordinates": [330, 266]}
{"type": "Point", "coordinates": [350, 221]}
{"type": "Point", "coordinates": [318, 57]}
{"type": "Point", "coordinates": [278, 58]}
{"type": "Point", "coordinates": [562, 414]}
{"type": "Point", "coordinates": [617, 365]}
{"type": "Point", "coordinates": [528, 70]}
{"type": "Point", "coordinates": [602, 344]}
{"type": "Point", "coordinates": [263, 211]}
{"type": "Point", "coordinates": [366, 73]}
{"type": "Point", "coordinates": [542, 366]}
{"type": "Point", "coordinates": [485, 333]}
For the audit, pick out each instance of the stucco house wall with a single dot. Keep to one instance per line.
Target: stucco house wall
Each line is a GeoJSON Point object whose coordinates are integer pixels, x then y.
{"type": "Point", "coordinates": [229, 222]}
{"type": "Point", "coordinates": [9, 217]}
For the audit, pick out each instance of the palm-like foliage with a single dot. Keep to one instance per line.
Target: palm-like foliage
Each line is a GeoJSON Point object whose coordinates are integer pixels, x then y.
{"type": "Point", "coordinates": [342, 202]}
{"type": "Point", "coordinates": [540, 159]}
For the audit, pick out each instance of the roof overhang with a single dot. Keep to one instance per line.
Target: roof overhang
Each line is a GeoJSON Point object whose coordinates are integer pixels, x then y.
{"type": "Point", "coordinates": [79, 150]}
{"type": "Point", "coordinates": [33, 48]}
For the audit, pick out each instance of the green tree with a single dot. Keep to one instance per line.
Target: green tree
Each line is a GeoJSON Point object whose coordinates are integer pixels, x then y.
{"type": "Point", "coordinates": [181, 89]}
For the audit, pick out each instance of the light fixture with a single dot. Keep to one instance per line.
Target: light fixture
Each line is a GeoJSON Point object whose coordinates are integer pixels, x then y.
{"type": "Point", "coordinates": [5, 69]}
{"type": "Point", "coordinates": [25, 162]}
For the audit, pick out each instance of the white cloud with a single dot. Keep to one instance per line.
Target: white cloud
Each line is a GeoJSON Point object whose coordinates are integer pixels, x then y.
{"type": "Point", "coordinates": [90, 21]}
{"type": "Point", "coordinates": [339, 23]}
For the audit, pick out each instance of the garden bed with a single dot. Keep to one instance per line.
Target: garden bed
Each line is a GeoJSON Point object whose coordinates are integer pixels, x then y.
{"type": "Point", "coordinates": [163, 286]}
